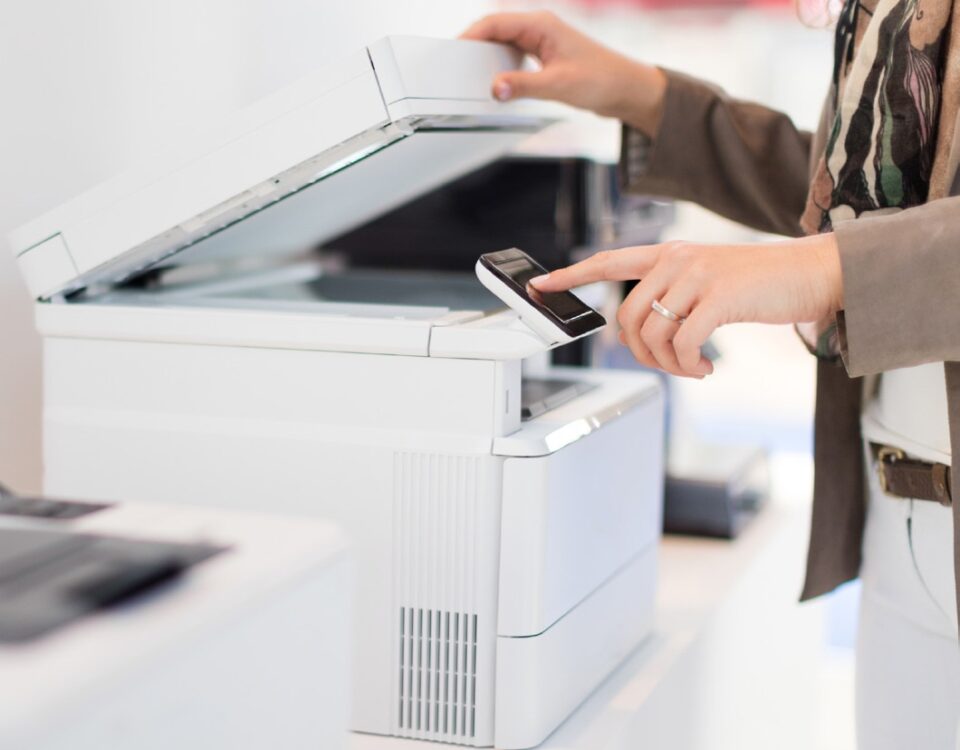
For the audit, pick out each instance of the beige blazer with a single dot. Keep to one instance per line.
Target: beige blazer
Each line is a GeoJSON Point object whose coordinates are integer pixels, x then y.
{"type": "Point", "coordinates": [901, 277]}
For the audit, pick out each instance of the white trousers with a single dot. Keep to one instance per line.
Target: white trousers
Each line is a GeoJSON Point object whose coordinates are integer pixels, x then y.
{"type": "Point", "coordinates": [908, 657]}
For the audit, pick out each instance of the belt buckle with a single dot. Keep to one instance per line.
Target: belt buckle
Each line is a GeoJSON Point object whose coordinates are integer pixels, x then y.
{"type": "Point", "coordinates": [893, 454]}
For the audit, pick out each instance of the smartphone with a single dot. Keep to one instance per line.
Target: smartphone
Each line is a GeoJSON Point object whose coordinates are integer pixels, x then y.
{"type": "Point", "coordinates": [557, 317]}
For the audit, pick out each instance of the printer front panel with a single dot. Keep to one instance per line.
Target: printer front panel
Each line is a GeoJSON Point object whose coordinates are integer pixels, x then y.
{"type": "Point", "coordinates": [573, 518]}
{"type": "Point", "coordinates": [578, 560]}
{"type": "Point", "coordinates": [396, 449]}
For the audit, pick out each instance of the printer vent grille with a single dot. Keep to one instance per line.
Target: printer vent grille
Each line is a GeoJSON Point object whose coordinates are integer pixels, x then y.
{"type": "Point", "coordinates": [438, 673]}
{"type": "Point", "coordinates": [442, 573]}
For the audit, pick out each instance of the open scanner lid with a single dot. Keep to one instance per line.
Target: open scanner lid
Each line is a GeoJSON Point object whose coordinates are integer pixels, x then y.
{"type": "Point", "coordinates": [314, 160]}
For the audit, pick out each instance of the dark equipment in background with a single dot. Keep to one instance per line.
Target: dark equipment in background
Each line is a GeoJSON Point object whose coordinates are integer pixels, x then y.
{"type": "Point", "coordinates": [558, 209]}
{"type": "Point", "coordinates": [718, 493]}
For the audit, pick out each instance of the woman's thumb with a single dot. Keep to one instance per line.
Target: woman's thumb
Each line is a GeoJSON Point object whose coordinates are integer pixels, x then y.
{"type": "Point", "coordinates": [516, 84]}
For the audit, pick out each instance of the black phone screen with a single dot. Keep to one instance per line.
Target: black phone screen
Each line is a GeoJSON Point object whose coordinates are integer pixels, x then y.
{"type": "Point", "coordinates": [516, 268]}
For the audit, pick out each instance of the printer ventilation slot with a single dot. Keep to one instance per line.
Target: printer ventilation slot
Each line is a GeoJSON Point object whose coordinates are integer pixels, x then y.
{"type": "Point", "coordinates": [438, 673]}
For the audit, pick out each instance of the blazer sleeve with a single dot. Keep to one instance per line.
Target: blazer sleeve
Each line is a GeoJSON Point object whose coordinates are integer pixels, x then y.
{"type": "Point", "coordinates": [901, 288]}
{"type": "Point", "coordinates": [741, 160]}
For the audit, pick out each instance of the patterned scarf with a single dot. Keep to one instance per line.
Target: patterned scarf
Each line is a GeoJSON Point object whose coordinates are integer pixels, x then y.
{"type": "Point", "coordinates": [892, 108]}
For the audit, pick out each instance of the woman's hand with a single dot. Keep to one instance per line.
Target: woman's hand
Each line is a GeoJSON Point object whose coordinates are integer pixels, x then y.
{"type": "Point", "coordinates": [708, 286]}
{"type": "Point", "coordinates": [574, 69]}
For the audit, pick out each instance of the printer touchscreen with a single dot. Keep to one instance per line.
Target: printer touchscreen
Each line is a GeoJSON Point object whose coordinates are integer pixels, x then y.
{"type": "Point", "coordinates": [515, 269]}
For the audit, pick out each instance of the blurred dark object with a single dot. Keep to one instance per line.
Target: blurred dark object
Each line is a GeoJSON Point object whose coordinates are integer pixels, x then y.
{"type": "Point", "coordinates": [715, 490]}
{"type": "Point", "coordinates": [50, 578]}
{"type": "Point", "coordinates": [12, 504]}
{"type": "Point", "coordinates": [60, 510]}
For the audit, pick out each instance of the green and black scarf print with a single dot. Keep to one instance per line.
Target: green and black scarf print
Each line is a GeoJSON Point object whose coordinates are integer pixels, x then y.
{"type": "Point", "coordinates": [884, 112]}
{"type": "Point", "coordinates": [885, 103]}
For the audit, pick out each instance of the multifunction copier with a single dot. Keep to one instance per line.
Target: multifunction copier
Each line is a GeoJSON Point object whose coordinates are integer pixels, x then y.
{"type": "Point", "coordinates": [504, 513]}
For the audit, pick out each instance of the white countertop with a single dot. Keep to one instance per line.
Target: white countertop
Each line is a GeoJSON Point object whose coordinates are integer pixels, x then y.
{"type": "Point", "coordinates": [274, 587]}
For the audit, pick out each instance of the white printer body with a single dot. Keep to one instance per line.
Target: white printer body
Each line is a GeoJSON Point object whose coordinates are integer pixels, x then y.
{"type": "Point", "coordinates": [505, 565]}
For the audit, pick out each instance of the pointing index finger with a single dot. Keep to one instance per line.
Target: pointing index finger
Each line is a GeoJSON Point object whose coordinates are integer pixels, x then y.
{"type": "Point", "coordinates": [608, 265]}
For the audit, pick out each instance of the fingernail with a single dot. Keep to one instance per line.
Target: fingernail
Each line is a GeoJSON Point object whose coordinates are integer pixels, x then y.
{"type": "Point", "coordinates": [538, 280]}
{"type": "Point", "coordinates": [503, 91]}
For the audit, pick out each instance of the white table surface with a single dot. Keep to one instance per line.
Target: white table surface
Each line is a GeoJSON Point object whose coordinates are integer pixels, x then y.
{"type": "Point", "coordinates": [268, 557]}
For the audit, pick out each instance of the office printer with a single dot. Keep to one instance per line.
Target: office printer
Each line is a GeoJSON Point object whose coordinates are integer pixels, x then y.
{"type": "Point", "coordinates": [150, 626]}
{"type": "Point", "coordinates": [506, 563]}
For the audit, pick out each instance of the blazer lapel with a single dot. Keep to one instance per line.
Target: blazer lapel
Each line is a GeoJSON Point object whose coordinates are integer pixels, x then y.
{"type": "Point", "coordinates": [947, 155]}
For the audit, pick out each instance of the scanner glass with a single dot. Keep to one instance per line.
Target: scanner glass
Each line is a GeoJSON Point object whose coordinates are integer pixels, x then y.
{"type": "Point", "coordinates": [449, 291]}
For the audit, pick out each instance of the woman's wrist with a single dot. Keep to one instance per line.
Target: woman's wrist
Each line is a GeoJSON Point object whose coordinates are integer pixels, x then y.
{"type": "Point", "coordinates": [828, 256]}
{"type": "Point", "coordinates": [640, 96]}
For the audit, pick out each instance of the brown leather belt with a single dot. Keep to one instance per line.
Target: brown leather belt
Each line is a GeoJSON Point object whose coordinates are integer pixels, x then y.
{"type": "Point", "coordinates": [905, 477]}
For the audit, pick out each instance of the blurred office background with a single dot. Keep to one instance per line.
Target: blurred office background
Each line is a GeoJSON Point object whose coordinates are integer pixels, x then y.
{"type": "Point", "coordinates": [87, 87]}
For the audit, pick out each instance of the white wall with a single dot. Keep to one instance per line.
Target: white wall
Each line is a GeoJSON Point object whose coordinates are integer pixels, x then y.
{"type": "Point", "coordinates": [86, 86]}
